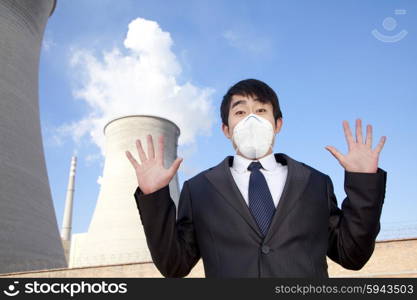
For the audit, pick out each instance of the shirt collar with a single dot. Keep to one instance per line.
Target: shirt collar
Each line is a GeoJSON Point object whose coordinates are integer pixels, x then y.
{"type": "Point", "coordinates": [241, 164]}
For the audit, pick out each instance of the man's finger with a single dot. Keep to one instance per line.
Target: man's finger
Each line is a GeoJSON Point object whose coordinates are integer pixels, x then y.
{"type": "Point", "coordinates": [380, 145]}
{"type": "Point", "coordinates": [359, 137]}
{"type": "Point", "coordinates": [369, 135]}
{"type": "Point", "coordinates": [335, 153]}
{"type": "Point", "coordinates": [141, 153]}
{"type": "Point", "coordinates": [175, 165]}
{"type": "Point", "coordinates": [132, 160]}
{"type": "Point", "coordinates": [151, 150]}
{"type": "Point", "coordinates": [348, 134]}
{"type": "Point", "coordinates": [160, 152]}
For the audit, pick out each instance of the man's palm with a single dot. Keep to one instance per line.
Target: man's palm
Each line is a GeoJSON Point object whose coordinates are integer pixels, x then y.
{"type": "Point", "coordinates": [151, 173]}
{"type": "Point", "coordinates": [361, 157]}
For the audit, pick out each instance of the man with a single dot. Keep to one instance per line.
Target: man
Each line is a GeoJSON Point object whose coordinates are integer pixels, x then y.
{"type": "Point", "coordinates": [260, 214]}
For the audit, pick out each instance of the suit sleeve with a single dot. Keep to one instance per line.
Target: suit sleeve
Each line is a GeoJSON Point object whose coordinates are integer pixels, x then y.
{"type": "Point", "coordinates": [171, 241]}
{"type": "Point", "coordinates": [354, 228]}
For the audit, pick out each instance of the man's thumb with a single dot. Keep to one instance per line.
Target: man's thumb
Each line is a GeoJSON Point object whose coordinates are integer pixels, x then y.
{"type": "Point", "coordinates": [334, 152]}
{"type": "Point", "coordinates": [175, 165]}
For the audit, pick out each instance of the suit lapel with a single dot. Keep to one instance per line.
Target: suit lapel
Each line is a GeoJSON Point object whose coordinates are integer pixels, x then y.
{"type": "Point", "coordinates": [222, 180]}
{"type": "Point", "coordinates": [297, 180]}
{"type": "Point", "coordinates": [295, 184]}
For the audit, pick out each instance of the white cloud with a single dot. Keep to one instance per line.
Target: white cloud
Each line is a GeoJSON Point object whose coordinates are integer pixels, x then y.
{"type": "Point", "coordinates": [143, 81]}
{"type": "Point", "coordinates": [47, 44]}
{"type": "Point", "coordinates": [91, 158]}
{"type": "Point", "coordinates": [247, 41]}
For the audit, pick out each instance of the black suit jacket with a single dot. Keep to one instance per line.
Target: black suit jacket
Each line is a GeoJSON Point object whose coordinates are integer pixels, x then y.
{"type": "Point", "coordinates": [214, 223]}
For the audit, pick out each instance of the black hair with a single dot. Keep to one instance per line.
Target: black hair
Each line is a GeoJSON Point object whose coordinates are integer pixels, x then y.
{"type": "Point", "coordinates": [254, 88]}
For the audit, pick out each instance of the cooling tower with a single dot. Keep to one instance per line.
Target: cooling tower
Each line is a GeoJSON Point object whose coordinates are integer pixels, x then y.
{"type": "Point", "coordinates": [115, 234]}
{"type": "Point", "coordinates": [29, 236]}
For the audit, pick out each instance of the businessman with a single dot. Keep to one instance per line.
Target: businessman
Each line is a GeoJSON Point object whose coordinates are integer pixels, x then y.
{"type": "Point", "coordinates": [260, 214]}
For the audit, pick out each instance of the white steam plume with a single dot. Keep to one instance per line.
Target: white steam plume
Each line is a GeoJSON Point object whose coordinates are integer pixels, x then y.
{"type": "Point", "coordinates": [143, 81]}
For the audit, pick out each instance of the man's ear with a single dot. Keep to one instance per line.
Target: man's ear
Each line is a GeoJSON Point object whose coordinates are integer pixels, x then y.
{"type": "Point", "coordinates": [225, 130]}
{"type": "Point", "coordinates": [278, 125]}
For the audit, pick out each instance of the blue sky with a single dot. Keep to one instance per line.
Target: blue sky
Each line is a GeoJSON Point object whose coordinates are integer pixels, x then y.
{"type": "Point", "coordinates": [320, 57]}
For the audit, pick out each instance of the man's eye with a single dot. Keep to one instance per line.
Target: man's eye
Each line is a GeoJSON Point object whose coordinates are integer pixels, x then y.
{"type": "Point", "coordinates": [262, 110]}
{"type": "Point", "coordinates": [239, 112]}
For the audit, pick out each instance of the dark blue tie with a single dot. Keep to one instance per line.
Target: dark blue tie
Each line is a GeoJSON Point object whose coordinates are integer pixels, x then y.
{"type": "Point", "coordinates": [261, 204]}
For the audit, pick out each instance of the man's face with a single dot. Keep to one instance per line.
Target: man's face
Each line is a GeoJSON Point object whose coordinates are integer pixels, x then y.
{"type": "Point", "coordinates": [241, 107]}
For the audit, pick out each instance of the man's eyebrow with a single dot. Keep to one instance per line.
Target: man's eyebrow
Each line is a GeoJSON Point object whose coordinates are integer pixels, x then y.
{"type": "Point", "coordinates": [238, 102]}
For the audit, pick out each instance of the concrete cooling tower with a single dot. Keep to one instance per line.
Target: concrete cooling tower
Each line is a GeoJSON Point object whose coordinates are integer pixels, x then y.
{"type": "Point", "coordinates": [29, 236]}
{"type": "Point", "coordinates": [115, 234]}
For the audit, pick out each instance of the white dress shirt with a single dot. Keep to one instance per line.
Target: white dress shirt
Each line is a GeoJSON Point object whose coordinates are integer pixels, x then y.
{"type": "Point", "coordinates": [274, 172]}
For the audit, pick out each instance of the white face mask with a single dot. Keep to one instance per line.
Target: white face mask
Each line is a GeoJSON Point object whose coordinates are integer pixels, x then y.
{"type": "Point", "coordinates": [253, 136]}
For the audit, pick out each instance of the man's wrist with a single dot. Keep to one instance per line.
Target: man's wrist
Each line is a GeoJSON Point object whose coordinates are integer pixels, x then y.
{"type": "Point", "coordinates": [378, 170]}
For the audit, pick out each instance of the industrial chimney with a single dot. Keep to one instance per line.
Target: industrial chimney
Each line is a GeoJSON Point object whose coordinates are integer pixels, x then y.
{"type": "Point", "coordinates": [67, 221]}
{"type": "Point", "coordinates": [29, 235]}
{"type": "Point", "coordinates": [115, 234]}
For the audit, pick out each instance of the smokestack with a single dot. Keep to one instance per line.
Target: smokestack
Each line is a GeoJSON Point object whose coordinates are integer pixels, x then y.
{"type": "Point", "coordinates": [115, 234]}
{"type": "Point", "coordinates": [29, 234]}
{"type": "Point", "coordinates": [67, 221]}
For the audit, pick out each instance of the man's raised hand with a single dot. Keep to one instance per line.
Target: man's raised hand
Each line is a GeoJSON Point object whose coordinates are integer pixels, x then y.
{"type": "Point", "coordinates": [360, 158]}
{"type": "Point", "coordinates": [151, 173]}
